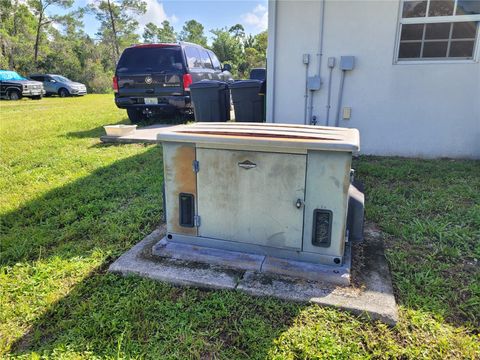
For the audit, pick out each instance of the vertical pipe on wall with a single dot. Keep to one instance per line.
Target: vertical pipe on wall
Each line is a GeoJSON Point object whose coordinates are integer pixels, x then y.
{"type": "Point", "coordinates": [320, 45]}
{"type": "Point", "coordinates": [320, 56]}
{"type": "Point", "coordinates": [329, 96]}
{"type": "Point", "coordinates": [271, 51]}
{"type": "Point", "coordinates": [340, 99]}
{"type": "Point", "coordinates": [306, 92]}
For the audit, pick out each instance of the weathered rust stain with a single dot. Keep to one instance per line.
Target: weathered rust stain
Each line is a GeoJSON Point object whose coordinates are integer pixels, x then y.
{"type": "Point", "coordinates": [183, 180]}
{"type": "Point", "coordinates": [335, 181]}
{"type": "Point", "coordinates": [256, 135]}
{"type": "Point", "coordinates": [346, 181]}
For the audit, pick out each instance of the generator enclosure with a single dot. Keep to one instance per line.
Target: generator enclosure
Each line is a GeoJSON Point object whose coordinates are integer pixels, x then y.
{"type": "Point", "coordinates": [273, 189]}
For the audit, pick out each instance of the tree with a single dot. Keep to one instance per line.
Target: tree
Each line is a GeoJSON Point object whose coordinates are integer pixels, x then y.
{"type": "Point", "coordinates": [38, 8]}
{"type": "Point", "coordinates": [238, 31]}
{"type": "Point", "coordinates": [165, 34]}
{"type": "Point", "coordinates": [192, 32]}
{"type": "Point", "coordinates": [261, 42]}
{"type": "Point", "coordinates": [150, 33]}
{"type": "Point", "coordinates": [117, 22]}
{"type": "Point", "coordinates": [254, 53]}
{"type": "Point", "coordinates": [17, 35]}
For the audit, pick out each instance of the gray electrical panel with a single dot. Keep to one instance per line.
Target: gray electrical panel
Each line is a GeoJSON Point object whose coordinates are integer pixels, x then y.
{"type": "Point", "coordinates": [314, 83]}
{"type": "Point", "coordinates": [347, 62]}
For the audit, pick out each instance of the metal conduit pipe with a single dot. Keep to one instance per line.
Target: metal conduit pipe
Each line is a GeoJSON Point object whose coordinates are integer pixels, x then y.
{"type": "Point", "coordinates": [320, 45]}
{"type": "Point", "coordinates": [347, 63]}
{"type": "Point", "coordinates": [314, 83]}
{"type": "Point", "coordinates": [331, 65]}
{"type": "Point", "coordinates": [306, 61]}
{"type": "Point", "coordinates": [320, 56]}
{"type": "Point", "coordinates": [340, 98]}
{"type": "Point", "coordinates": [310, 107]}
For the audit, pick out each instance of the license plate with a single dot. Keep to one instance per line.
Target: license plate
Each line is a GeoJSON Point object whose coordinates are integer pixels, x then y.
{"type": "Point", "coordinates": [151, 101]}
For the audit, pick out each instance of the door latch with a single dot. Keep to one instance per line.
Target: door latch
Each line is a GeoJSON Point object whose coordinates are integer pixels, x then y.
{"type": "Point", "coordinates": [299, 203]}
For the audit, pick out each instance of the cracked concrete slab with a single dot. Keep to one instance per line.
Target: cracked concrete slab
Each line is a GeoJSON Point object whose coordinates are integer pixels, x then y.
{"type": "Point", "coordinates": [371, 295]}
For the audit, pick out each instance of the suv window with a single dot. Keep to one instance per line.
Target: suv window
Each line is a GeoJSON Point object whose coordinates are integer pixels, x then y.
{"type": "Point", "coordinates": [150, 59]}
{"type": "Point", "coordinates": [193, 57]}
{"type": "Point", "coordinates": [216, 64]}
{"type": "Point", "coordinates": [38, 78]}
{"type": "Point", "coordinates": [207, 63]}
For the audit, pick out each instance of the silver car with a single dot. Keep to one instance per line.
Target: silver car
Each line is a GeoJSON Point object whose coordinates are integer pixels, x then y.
{"type": "Point", "coordinates": [59, 85]}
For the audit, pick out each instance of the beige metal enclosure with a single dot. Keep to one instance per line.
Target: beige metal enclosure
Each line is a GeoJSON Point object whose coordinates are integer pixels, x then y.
{"type": "Point", "coordinates": [273, 189]}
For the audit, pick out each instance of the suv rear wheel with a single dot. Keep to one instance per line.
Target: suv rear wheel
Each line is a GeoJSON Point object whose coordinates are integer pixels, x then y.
{"type": "Point", "coordinates": [135, 116]}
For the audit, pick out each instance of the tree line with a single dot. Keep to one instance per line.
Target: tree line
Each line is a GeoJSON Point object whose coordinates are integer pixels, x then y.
{"type": "Point", "coordinates": [33, 40]}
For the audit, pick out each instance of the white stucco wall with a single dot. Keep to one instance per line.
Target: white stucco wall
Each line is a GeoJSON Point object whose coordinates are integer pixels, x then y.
{"type": "Point", "coordinates": [419, 110]}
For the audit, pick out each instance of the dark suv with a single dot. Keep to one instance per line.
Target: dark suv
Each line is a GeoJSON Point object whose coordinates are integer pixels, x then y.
{"type": "Point", "coordinates": [155, 78]}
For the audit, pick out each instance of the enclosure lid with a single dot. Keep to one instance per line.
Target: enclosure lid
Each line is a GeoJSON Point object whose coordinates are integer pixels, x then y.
{"type": "Point", "coordinates": [267, 135]}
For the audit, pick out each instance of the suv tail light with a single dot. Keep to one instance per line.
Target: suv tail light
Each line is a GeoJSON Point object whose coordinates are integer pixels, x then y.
{"type": "Point", "coordinates": [115, 84]}
{"type": "Point", "coordinates": [187, 81]}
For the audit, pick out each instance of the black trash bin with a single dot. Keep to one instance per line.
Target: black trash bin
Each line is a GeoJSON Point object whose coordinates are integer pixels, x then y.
{"type": "Point", "coordinates": [211, 101]}
{"type": "Point", "coordinates": [258, 74]}
{"type": "Point", "coordinates": [248, 103]}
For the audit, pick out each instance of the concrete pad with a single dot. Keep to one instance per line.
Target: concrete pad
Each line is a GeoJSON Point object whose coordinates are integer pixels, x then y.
{"type": "Point", "coordinates": [375, 305]}
{"type": "Point", "coordinates": [371, 295]}
{"type": "Point", "coordinates": [147, 134]}
{"type": "Point", "coordinates": [303, 270]}
{"type": "Point", "coordinates": [136, 262]}
{"type": "Point", "coordinates": [218, 257]}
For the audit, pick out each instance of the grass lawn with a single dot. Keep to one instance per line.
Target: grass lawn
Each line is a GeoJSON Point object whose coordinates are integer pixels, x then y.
{"type": "Point", "coordinates": [70, 205]}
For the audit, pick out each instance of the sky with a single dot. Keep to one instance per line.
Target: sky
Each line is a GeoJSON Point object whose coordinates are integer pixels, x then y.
{"type": "Point", "coordinates": [212, 14]}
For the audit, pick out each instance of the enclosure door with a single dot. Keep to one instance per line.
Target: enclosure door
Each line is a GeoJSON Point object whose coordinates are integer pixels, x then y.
{"type": "Point", "coordinates": [251, 197]}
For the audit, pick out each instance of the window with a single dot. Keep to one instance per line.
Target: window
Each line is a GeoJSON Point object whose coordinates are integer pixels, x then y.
{"type": "Point", "coordinates": [216, 64]}
{"type": "Point", "coordinates": [207, 63]}
{"type": "Point", "coordinates": [438, 30]}
{"type": "Point", "coordinates": [193, 57]}
{"type": "Point", "coordinates": [140, 59]}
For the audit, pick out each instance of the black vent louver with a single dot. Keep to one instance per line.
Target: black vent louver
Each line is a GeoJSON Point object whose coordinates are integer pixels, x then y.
{"type": "Point", "coordinates": [322, 227]}
{"type": "Point", "coordinates": [187, 210]}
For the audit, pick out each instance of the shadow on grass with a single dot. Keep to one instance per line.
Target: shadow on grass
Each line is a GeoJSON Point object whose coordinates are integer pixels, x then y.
{"type": "Point", "coordinates": [106, 315]}
{"type": "Point", "coordinates": [112, 208]}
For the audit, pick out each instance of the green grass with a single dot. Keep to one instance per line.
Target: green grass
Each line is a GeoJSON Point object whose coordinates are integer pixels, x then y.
{"type": "Point", "coordinates": [70, 205]}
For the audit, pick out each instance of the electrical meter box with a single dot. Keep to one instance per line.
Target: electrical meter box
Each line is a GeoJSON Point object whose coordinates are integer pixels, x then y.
{"type": "Point", "coordinates": [272, 189]}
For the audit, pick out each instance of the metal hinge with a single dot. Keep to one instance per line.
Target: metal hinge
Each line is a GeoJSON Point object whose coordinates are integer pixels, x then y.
{"type": "Point", "coordinates": [196, 220]}
{"type": "Point", "coordinates": [195, 166]}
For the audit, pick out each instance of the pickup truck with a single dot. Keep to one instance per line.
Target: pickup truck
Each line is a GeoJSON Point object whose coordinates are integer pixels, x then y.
{"type": "Point", "coordinates": [14, 87]}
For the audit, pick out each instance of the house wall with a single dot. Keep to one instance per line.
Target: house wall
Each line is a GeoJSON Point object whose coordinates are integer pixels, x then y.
{"type": "Point", "coordinates": [419, 110]}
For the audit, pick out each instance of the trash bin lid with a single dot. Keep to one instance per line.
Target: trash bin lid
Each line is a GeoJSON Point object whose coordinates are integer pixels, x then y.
{"type": "Point", "coordinates": [246, 84]}
{"type": "Point", "coordinates": [203, 84]}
